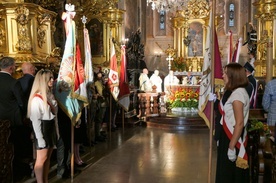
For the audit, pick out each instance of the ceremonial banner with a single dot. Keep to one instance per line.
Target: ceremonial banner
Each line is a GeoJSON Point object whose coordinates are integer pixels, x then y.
{"type": "Point", "coordinates": [124, 100]}
{"type": "Point", "coordinates": [67, 85]}
{"type": "Point", "coordinates": [204, 105]}
{"type": "Point", "coordinates": [89, 74]}
{"type": "Point", "coordinates": [113, 79]}
{"type": "Point", "coordinates": [237, 51]}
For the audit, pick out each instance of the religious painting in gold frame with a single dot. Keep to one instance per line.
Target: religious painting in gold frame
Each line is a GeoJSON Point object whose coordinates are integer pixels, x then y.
{"type": "Point", "coordinates": [196, 35]}
{"type": "Point", "coordinates": [96, 30]}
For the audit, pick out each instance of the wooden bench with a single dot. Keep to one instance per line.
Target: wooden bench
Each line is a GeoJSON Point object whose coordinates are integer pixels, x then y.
{"type": "Point", "coordinates": [6, 151]}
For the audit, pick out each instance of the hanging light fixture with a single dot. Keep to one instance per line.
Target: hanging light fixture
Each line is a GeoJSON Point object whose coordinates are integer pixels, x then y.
{"type": "Point", "coordinates": [167, 5]}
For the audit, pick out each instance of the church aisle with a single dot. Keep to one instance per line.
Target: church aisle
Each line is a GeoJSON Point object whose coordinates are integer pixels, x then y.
{"type": "Point", "coordinates": [150, 156]}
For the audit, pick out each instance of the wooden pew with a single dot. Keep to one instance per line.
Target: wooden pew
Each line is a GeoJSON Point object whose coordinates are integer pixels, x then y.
{"type": "Point", "coordinates": [6, 151]}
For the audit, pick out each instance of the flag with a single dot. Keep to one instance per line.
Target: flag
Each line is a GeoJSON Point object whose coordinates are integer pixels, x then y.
{"type": "Point", "coordinates": [219, 83]}
{"type": "Point", "coordinates": [65, 84]}
{"type": "Point", "coordinates": [89, 74]}
{"type": "Point", "coordinates": [80, 91]}
{"type": "Point", "coordinates": [230, 47]}
{"type": "Point", "coordinates": [204, 105]}
{"type": "Point", "coordinates": [113, 79]}
{"type": "Point", "coordinates": [237, 51]}
{"type": "Point", "coordinates": [123, 97]}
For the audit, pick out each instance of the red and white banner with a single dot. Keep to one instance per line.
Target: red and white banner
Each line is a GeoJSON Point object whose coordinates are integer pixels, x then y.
{"type": "Point", "coordinates": [124, 100]}
{"type": "Point", "coordinates": [113, 78]}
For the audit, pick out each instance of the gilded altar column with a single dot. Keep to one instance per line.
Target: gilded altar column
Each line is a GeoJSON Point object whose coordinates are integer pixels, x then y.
{"type": "Point", "coordinates": [174, 36]}
{"type": "Point", "coordinates": [178, 23]}
{"type": "Point", "coordinates": [179, 42]}
{"type": "Point", "coordinates": [265, 14]}
{"type": "Point", "coordinates": [108, 37]}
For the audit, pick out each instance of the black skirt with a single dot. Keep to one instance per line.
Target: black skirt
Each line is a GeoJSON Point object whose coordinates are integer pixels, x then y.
{"type": "Point", "coordinates": [49, 133]}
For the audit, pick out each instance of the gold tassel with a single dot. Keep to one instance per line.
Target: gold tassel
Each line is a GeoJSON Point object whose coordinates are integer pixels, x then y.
{"type": "Point", "coordinates": [242, 163]}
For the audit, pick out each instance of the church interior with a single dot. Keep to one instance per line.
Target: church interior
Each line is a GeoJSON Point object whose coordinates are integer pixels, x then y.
{"type": "Point", "coordinates": [166, 45]}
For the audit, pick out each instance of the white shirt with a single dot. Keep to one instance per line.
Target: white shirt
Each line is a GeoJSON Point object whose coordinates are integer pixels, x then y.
{"type": "Point", "coordinates": [39, 112]}
{"type": "Point", "coordinates": [241, 95]}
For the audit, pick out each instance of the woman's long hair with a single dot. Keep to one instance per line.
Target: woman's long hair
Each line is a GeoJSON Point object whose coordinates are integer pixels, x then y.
{"type": "Point", "coordinates": [40, 86]}
{"type": "Point", "coordinates": [236, 76]}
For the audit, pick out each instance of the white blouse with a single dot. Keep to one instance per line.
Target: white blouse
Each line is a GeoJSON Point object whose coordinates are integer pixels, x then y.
{"type": "Point", "coordinates": [239, 94]}
{"type": "Point", "coordinates": [39, 112]}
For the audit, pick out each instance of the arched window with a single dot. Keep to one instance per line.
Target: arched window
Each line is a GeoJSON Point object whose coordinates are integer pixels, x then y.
{"type": "Point", "coordinates": [231, 15]}
{"type": "Point", "coordinates": [162, 20]}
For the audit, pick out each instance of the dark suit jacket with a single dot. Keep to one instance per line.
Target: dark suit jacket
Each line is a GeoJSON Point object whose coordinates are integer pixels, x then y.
{"type": "Point", "coordinates": [26, 83]}
{"type": "Point", "coordinates": [11, 104]}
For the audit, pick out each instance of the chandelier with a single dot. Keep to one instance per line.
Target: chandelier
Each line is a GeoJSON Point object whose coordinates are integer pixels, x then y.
{"type": "Point", "coordinates": [167, 5]}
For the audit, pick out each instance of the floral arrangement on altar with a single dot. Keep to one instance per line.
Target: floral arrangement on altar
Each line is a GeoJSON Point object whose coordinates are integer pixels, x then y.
{"type": "Point", "coordinates": [179, 64]}
{"type": "Point", "coordinates": [184, 98]}
{"type": "Point", "coordinates": [259, 126]}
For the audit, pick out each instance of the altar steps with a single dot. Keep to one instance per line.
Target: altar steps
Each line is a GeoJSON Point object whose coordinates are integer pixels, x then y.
{"type": "Point", "coordinates": [177, 122]}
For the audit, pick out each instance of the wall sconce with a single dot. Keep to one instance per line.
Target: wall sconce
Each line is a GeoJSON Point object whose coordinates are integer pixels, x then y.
{"type": "Point", "coordinates": [158, 54]}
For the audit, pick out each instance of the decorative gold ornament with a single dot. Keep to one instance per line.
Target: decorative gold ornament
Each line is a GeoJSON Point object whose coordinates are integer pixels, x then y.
{"type": "Point", "coordinates": [42, 28]}
{"type": "Point", "coordinates": [2, 35]}
{"type": "Point", "coordinates": [24, 42]}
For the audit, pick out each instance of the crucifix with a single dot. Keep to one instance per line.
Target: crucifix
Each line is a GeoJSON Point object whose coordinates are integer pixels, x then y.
{"type": "Point", "coordinates": [169, 59]}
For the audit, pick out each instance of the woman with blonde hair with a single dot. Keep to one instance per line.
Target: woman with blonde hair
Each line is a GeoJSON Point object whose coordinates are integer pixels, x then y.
{"type": "Point", "coordinates": [42, 108]}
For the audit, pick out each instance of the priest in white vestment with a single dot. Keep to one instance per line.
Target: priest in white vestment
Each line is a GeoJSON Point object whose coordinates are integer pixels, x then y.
{"type": "Point", "coordinates": [170, 79]}
{"type": "Point", "coordinates": [156, 80]}
{"type": "Point", "coordinates": [145, 84]}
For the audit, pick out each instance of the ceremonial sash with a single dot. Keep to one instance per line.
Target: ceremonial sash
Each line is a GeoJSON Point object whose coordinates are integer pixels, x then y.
{"type": "Point", "coordinates": [242, 160]}
{"type": "Point", "coordinates": [51, 106]}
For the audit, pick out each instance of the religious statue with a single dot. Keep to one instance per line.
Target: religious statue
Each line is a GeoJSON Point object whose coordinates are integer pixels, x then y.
{"type": "Point", "coordinates": [145, 84]}
{"type": "Point", "coordinates": [156, 80]}
{"type": "Point", "coordinates": [170, 79]}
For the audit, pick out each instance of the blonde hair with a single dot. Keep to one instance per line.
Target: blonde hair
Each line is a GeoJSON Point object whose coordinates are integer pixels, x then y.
{"type": "Point", "coordinates": [40, 86]}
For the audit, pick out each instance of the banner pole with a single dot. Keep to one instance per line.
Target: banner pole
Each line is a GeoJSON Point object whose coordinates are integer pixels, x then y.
{"type": "Point", "coordinates": [212, 91]}
{"type": "Point", "coordinates": [110, 114]}
{"type": "Point", "coordinates": [72, 151]}
{"type": "Point", "coordinates": [123, 116]}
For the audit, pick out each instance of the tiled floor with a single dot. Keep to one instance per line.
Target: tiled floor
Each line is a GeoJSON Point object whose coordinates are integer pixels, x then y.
{"type": "Point", "coordinates": [148, 155]}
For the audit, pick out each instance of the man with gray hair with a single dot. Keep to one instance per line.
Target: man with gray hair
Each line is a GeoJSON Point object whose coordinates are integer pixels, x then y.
{"type": "Point", "coordinates": [10, 93]}
{"type": "Point", "coordinates": [11, 106]}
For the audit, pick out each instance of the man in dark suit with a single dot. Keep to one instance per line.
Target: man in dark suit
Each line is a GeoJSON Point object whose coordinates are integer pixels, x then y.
{"type": "Point", "coordinates": [252, 87]}
{"type": "Point", "coordinates": [26, 82]}
{"type": "Point", "coordinates": [11, 106]}
{"type": "Point", "coordinates": [10, 93]}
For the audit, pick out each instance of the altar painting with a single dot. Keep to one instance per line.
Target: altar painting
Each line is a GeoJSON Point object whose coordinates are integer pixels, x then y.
{"type": "Point", "coordinates": [95, 28]}
{"type": "Point", "coordinates": [195, 34]}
